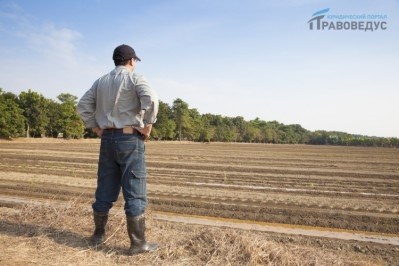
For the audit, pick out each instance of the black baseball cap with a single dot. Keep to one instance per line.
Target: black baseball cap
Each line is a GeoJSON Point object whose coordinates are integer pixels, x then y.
{"type": "Point", "coordinates": [124, 52]}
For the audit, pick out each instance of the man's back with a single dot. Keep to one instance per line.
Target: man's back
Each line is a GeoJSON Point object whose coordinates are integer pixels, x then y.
{"type": "Point", "coordinates": [116, 100]}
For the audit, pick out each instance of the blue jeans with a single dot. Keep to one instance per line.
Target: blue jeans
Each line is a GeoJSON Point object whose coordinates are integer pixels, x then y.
{"type": "Point", "coordinates": [121, 165]}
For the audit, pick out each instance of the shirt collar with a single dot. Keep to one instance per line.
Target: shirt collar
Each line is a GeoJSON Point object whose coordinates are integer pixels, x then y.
{"type": "Point", "coordinates": [119, 69]}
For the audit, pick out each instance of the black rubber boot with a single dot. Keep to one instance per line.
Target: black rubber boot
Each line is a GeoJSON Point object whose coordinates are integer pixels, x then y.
{"type": "Point", "coordinates": [135, 229]}
{"type": "Point", "coordinates": [100, 220]}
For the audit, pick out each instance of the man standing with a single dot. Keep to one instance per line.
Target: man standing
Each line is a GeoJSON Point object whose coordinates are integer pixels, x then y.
{"type": "Point", "coordinates": [120, 108]}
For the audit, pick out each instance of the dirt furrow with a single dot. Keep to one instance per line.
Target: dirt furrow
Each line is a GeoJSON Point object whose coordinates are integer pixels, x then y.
{"type": "Point", "coordinates": [209, 205]}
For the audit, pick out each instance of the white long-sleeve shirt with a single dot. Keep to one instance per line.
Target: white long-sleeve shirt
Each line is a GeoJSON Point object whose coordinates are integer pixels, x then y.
{"type": "Point", "coordinates": [119, 99]}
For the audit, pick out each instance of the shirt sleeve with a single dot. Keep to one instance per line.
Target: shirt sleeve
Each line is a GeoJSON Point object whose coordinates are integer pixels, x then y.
{"type": "Point", "coordinates": [86, 107]}
{"type": "Point", "coordinates": [148, 100]}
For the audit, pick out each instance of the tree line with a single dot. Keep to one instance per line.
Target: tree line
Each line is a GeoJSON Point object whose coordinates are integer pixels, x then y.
{"type": "Point", "coordinates": [30, 114]}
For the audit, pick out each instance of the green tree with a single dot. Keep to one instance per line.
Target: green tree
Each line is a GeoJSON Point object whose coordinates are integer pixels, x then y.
{"type": "Point", "coordinates": [12, 121]}
{"type": "Point", "coordinates": [164, 128]}
{"type": "Point", "coordinates": [251, 133]}
{"type": "Point", "coordinates": [206, 131]}
{"type": "Point", "coordinates": [270, 134]}
{"type": "Point", "coordinates": [240, 128]}
{"type": "Point", "coordinates": [181, 117]}
{"type": "Point", "coordinates": [194, 125]}
{"type": "Point", "coordinates": [52, 127]}
{"type": "Point", "coordinates": [216, 121]}
{"type": "Point", "coordinates": [35, 110]}
{"type": "Point", "coordinates": [67, 98]}
{"type": "Point", "coordinates": [69, 122]}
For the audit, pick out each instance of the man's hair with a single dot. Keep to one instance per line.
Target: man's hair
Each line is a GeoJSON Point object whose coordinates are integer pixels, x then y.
{"type": "Point", "coordinates": [121, 63]}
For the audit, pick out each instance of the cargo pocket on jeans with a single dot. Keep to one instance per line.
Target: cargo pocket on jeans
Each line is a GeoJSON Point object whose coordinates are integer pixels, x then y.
{"type": "Point", "coordinates": [138, 184]}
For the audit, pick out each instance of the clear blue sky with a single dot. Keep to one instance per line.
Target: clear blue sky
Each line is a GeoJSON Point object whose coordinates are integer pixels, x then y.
{"type": "Point", "coordinates": [250, 58]}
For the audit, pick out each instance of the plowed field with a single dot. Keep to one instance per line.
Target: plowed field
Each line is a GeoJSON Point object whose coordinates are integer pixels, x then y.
{"type": "Point", "coordinates": [349, 188]}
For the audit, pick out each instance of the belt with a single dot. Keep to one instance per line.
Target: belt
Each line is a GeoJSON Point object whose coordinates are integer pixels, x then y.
{"type": "Point", "coordinates": [126, 130]}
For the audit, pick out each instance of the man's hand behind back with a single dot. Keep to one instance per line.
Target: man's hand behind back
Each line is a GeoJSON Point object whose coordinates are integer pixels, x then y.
{"type": "Point", "coordinates": [146, 131]}
{"type": "Point", "coordinates": [98, 131]}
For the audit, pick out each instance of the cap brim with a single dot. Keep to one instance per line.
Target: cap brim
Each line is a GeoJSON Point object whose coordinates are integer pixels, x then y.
{"type": "Point", "coordinates": [138, 59]}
